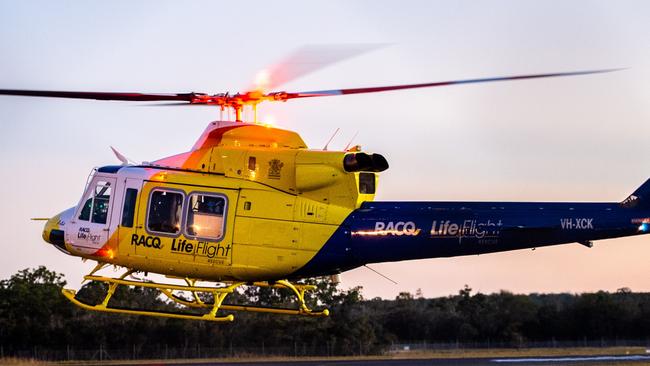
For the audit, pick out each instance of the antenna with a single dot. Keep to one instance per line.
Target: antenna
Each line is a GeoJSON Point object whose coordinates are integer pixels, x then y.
{"type": "Point", "coordinates": [386, 277]}
{"type": "Point", "coordinates": [331, 138]}
{"type": "Point", "coordinates": [119, 156]}
{"type": "Point", "coordinates": [350, 143]}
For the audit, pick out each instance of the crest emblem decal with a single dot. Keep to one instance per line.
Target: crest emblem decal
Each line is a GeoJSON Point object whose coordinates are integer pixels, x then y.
{"type": "Point", "coordinates": [275, 168]}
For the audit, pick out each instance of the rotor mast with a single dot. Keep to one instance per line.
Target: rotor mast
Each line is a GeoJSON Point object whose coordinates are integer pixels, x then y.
{"type": "Point", "coordinates": [237, 102]}
{"type": "Point", "coordinates": [238, 112]}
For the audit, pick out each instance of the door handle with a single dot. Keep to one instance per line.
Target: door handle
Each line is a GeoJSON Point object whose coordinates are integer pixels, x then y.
{"type": "Point", "coordinates": [105, 229]}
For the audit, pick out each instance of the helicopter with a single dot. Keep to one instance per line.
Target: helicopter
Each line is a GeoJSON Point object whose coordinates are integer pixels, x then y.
{"type": "Point", "coordinates": [251, 205]}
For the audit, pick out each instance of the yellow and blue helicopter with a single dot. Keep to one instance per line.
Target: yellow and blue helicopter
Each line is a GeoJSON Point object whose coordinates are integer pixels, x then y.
{"type": "Point", "coordinates": [252, 205]}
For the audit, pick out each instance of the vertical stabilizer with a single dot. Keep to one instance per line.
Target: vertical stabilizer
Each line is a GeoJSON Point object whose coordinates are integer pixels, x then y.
{"type": "Point", "coordinates": [640, 198]}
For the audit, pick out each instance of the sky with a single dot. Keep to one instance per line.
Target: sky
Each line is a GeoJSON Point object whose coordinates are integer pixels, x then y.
{"type": "Point", "coordinates": [583, 138]}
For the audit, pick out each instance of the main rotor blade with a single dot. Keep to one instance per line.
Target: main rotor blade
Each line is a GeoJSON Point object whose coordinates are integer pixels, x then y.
{"type": "Point", "coordinates": [307, 59]}
{"type": "Point", "coordinates": [138, 97]}
{"type": "Point", "coordinates": [332, 92]}
{"type": "Point", "coordinates": [169, 104]}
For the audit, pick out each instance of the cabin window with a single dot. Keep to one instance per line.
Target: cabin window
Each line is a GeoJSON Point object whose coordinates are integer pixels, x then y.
{"type": "Point", "coordinates": [205, 216]}
{"type": "Point", "coordinates": [128, 211]}
{"type": "Point", "coordinates": [367, 183]}
{"type": "Point", "coordinates": [165, 209]}
{"type": "Point", "coordinates": [95, 208]}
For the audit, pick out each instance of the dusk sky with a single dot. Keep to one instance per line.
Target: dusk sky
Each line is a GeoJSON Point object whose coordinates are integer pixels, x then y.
{"type": "Point", "coordinates": [583, 138]}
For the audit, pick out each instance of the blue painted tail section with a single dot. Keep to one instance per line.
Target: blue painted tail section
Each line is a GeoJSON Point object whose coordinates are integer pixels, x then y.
{"type": "Point", "coordinates": [640, 199]}
{"type": "Point", "coordinates": [396, 231]}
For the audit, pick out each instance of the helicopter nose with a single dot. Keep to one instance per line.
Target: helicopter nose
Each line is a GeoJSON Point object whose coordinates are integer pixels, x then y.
{"type": "Point", "coordinates": [54, 230]}
{"type": "Point", "coordinates": [53, 234]}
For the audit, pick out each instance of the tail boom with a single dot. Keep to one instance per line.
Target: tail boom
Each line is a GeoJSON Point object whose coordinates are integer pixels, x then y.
{"type": "Point", "coordinates": [396, 231]}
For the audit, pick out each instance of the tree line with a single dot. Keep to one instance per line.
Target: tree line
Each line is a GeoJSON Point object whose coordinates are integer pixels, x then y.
{"type": "Point", "coordinates": [34, 315]}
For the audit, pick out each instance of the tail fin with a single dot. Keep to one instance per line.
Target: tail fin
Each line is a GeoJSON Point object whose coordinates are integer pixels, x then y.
{"type": "Point", "coordinates": [640, 198]}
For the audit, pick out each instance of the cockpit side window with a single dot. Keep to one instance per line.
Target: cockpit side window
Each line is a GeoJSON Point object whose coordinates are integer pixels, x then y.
{"type": "Point", "coordinates": [205, 216]}
{"type": "Point", "coordinates": [100, 202]}
{"type": "Point", "coordinates": [97, 204]}
{"type": "Point", "coordinates": [165, 211]}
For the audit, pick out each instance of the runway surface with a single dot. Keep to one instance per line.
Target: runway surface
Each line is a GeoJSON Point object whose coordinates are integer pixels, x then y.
{"type": "Point", "coordinates": [519, 361]}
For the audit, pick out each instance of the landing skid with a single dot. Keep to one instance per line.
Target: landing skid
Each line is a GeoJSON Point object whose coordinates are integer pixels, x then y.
{"type": "Point", "coordinates": [219, 294]}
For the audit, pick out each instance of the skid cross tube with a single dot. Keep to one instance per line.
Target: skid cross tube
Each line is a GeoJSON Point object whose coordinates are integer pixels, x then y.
{"type": "Point", "coordinates": [298, 290]}
{"type": "Point", "coordinates": [219, 294]}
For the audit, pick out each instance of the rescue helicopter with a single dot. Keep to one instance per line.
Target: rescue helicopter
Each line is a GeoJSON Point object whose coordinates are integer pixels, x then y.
{"type": "Point", "coordinates": [252, 205]}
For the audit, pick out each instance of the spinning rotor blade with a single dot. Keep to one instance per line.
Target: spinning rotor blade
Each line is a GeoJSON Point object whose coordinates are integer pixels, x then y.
{"type": "Point", "coordinates": [332, 92]}
{"type": "Point", "coordinates": [168, 104]}
{"type": "Point", "coordinates": [306, 60]}
{"type": "Point", "coordinates": [253, 98]}
{"type": "Point", "coordinates": [189, 97]}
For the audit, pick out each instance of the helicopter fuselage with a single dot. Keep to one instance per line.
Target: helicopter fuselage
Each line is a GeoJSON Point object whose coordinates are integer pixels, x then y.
{"type": "Point", "coordinates": [251, 203]}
